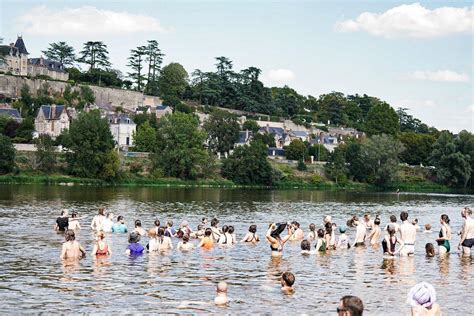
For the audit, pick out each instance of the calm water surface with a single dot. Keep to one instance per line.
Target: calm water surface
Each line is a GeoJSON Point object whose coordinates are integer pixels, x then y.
{"type": "Point", "coordinates": [33, 279]}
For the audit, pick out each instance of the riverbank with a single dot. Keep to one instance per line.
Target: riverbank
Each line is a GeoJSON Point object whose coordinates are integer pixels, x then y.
{"type": "Point", "coordinates": [63, 180]}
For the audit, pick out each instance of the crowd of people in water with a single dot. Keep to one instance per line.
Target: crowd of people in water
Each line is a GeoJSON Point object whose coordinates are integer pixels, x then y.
{"type": "Point", "coordinates": [394, 239]}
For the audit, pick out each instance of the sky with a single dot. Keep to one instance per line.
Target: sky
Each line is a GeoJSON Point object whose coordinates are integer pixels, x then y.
{"type": "Point", "coordinates": [415, 55]}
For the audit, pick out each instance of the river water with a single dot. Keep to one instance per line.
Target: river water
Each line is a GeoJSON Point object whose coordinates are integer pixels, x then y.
{"type": "Point", "coordinates": [33, 279]}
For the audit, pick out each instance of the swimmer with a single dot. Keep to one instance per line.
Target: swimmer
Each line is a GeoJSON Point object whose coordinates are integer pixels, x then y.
{"type": "Point", "coordinates": [119, 226]}
{"type": "Point", "coordinates": [321, 243]}
{"type": "Point", "coordinates": [427, 228]}
{"type": "Point", "coordinates": [170, 231]}
{"type": "Point", "coordinates": [374, 236]}
{"type": "Point", "coordinates": [390, 241]}
{"type": "Point", "coordinates": [199, 234]}
{"type": "Point", "coordinates": [350, 306]}
{"type": "Point", "coordinates": [98, 220]}
{"type": "Point", "coordinates": [467, 232]}
{"type": "Point", "coordinates": [72, 249]}
{"type": "Point", "coordinates": [153, 244]}
{"type": "Point", "coordinates": [225, 238]}
{"type": "Point", "coordinates": [360, 232]}
{"type": "Point", "coordinates": [185, 245]}
{"type": "Point", "coordinates": [157, 225]}
{"type": "Point", "coordinates": [232, 233]}
{"type": "Point", "coordinates": [221, 294]}
{"type": "Point", "coordinates": [415, 223]}
{"type": "Point", "coordinates": [312, 235]}
{"type": "Point", "coordinates": [305, 247]}
{"type": "Point", "coordinates": [134, 248]}
{"type": "Point", "coordinates": [287, 281]}
{"type": "Point", "coordinates": [273, 237]}
{"type": "Point", "coordinates": [430, 250]}
{"type": "Point", "coordinates": [101, 247]}
{"type": "Point", "coordinates": [444, 235]}
{"type": "Point", "coordinates": [62, 222]}
{"type": "Point", "coordinates": [393, 221]}
{"type": "Point", "coordinates": [251, 236]}
{"type": "Point", "coordinates": [74, 223]}
{"type": "Point", "coordinates": [422, 299]}
{"type": "Point", "coordinates": [184, 229]}
{"type": "Point", "coordinates": [207, 242]}
{"type": "Point", "coordinates": [330, 236]}
{"type": "Point", "coordinates": [204, 221]}
{"type": "Point", "coordinates": [139, 229]}
{"type": "Point", "coordinates": [327, 219]}
{"type": "Point", "coordinates": [216, 233]}
{"type": "Point", "coordinates": [108, 223]}
{"type": "Point", "coordinates": [298, 233]}
{"type": "Point", "coordinates": [343, 240]}
{"type": "Point", "coordinates": [407, 235]}
{"type": "Point", "coordinates": [164, 242]}
{"type": "Point", "coordinates": [369, 223]}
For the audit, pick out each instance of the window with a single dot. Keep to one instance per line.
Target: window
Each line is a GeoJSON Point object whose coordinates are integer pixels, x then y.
{"type": "Point", "coordinates": [127, 141]}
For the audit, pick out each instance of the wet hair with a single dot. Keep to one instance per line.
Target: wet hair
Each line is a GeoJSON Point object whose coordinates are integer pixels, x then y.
{"type": "Point", "coordinates": [320, 233]}
{"type": "Point", "coordinates": [63, 212]}
{"type": "Point", "coordinates": [253, 229]}
{"type": "Point", "coordinates": [430, 250]}
{"type": "Point", "coordinates": [200, 226]}
{"type": "Point", "coordinates": [138, 223]}
{"type": "Point", "coordinates": [101, 210]}
{"type": "Point", "coordinates": [225, 229]}
{"type": "Point", "coordinates": [231, 229]}
{"type": "Point", "coordinates": [366, 216]}
{"type": "Point", "coordinates": [133, 238]}
{"type": "Point", "coordinates": [152, 233]}
{"type": "Point", "coordinates": [391, 230]}
{"type": "Point", "coordinates": [393, 218]}
{"type": "Point", "coordinates": [349, 223]}
{"type": "Point", "coordinates": [305, 245]}
{"type": "Point", "coordinates": [289, 278]}
{"type": "Point", "coordinates": [415, 221]}
{"type": "Point", "coordinates": [445, 218]}
{"type": "Point", "coordinates": [185, 238]}
{"type": "Point", "coordinates": [70, 235]}
{"type": "Point", "coordinates": [353, 305]}
{"type": "Point", "coordinates": [214, 222]}
{"type": "Point", "coordinates": [427, 226]}
{"type": "Point", "coordinates": [161, 232]}
{"type": "Point", "coordinates": [208, 232]}
{"type": "Point", "coordinates": [119, 218]}
{"type": "Point", "coordinates": [312, 227]}
{"type": "Point", "coordinates": [203, 219]}
{"type": "Point", "coordinates": [74, 214]}
{"type": "Point", "coordinates": [328, 228]}
{"type": "Point", "coordinates": [468, 211]}
{"type": "Point", "coordinates": [296, 224]}
{"type": "Point", "coordinates": [403, 216]}
{"type": "Point", "coordinates": [377, 221]}
{"type": "Point", "coordinates": [157, 223]}
{"type": "Point", "coordinates": [169, 223]}
{"type": "Point", "coordinates": [101, 235]}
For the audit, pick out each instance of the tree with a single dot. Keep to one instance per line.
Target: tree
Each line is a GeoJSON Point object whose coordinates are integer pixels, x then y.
{"type": "Point", "coordinates": [154, 57]}
{"type": "Point", "coordinates": [417, 148]}
{"type": "Point", "coordinates": [380, 153]}
{"type": "Point", "coordinates": [251, 125]}
{"type": "Point", "coordinates": [266, 138]}
{"type": "Point", "coordinates": [465, 143]}
{"type": "Point", "coordinates": [136, 62]}
{"type": "Point", "coordinates": [7, 155]}
{"type": "Point", "coordinates": [173, 81]}
{"type": "Point", "coordinates": [452, 166]}
{"type": "Point", "coordinates": [145, 138]}
{"type": "Point", "coordinates": [296, 150]}
{"type": "Point", "coordinates": [179, 150]}
{"type": "Point", "coordinates": [95, 54]}
{"type": "Point", "coordinates": [223, 130]}
{"type": "Point", "coordinates": [410, 124]}
{"type": "Point", "coordinates": [45, 155]}
{"type": "Point", "coordinates": [61, 52]}
{"type": "Point", "coordinates": [382, 119]}
{"type": "Point", "coordinates": [90, 142]}
{"type": "Point", "coordinates": [248, 165]}
{"type": "Point", "coordinates": [336, 167]}
{"type": "Point", "coordinates": [319, 152]}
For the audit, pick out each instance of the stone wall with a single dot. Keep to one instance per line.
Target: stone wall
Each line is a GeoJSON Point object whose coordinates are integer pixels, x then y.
{"type": "Point", "coordinates": [10, 86]}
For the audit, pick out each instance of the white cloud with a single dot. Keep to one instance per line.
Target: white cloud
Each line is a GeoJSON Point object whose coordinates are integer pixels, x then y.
{"type": "Point", "coordinates": [440, 76]}
{"type": "Point", "coordinates": [279, 75]}
{"type": "Point", "coordinates": [86, 20]}
{"type": "Point", "coordinates": [412, 20]}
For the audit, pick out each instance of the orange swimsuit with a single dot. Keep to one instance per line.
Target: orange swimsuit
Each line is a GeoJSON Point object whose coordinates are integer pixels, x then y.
{"type": "Point", "coordinates": [207, 243]}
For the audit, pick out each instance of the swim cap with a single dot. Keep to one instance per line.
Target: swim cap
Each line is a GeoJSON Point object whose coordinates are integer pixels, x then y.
{"type": "Point", "coordinates": [422, 294]}
{"type": "Point", "coordinates": [342, 229]}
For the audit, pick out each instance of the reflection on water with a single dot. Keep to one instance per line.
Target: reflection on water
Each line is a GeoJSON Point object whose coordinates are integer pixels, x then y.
{"type": "Point", "coordinates": [33, 278]}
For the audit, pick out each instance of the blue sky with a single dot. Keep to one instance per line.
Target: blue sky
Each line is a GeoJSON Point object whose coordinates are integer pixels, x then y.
{"type": "Point", "coordinates": [413, 55]}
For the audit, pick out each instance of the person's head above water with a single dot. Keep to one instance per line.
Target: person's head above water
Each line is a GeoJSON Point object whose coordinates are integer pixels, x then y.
{"type": "Point", "coordinates": [403, 216]}
{"type": "Point", "coordinates": [231, 229]}
{"type": "Point", "coordinates": [101, 211]}
{"type": "Point", "coordinates": [185, 238]}
{"type": "Point", "coordinates": [152, 233]}
{"type": "Point", "coordinates": [208, 232]}
{"type": "Point", "coordinates": [225, 229]}
{"type": "Point", "coordinates": [120, 218]}
{"type": "Point", "coordinates": [312, 227]}
{"type": "Point", "coordinates": [133, 238]}
{"type": "Point", "coordinates": [74, 214]}
{"type": "Point", "coordinates": [214, 222]}
{"type": "Point", "coordinates": [305, 245]}
{"type": "Point", "coordinates": [350, 305]}
{"type": "Point", "coordinates": [64, 212]}
{"type": "Point", "coordinates": [430, 250]}
{"type": "Point", "coordinates": [138, 223]}
{"type": "Point", "coordinates": [70, 235]}
{"type": "Point", "coordinates": [287, 279]}
{"type": "Point", "coordinates": [342, 229]}
{"type": "Point", "coordinates": [391, 230]}
{"type": "Point", "coordinates": [427, 227]}
{"type": "Point", "coordinates": [377, 220]}
{"type": "Point", "coordinates": [157, 223]}
{"type": "Point", "coordinates": [253, 229]}
{"type": "Point", "coordinates": [422, 294]}
{"type": "Point", "coordinates": [320, 233]}
{"type": "Point", "coordinates": [221, 287]}
{"type": "Point", "coordinates": [393, 218]}
{"type": "Point", "coordinates": [445, 219]}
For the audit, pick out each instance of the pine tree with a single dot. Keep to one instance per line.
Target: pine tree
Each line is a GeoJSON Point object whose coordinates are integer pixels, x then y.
{"type": "Point", "coordinates": [95, 54]}
{"type": "Point", "coordinates": [136, 62]}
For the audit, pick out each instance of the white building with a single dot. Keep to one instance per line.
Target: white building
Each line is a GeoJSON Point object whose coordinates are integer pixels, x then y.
{"type": "Point", "coordinates": [162, 110]}
{"type": "Point", "coordinates": [52, 120]}
{"type": "Point", "coordinates": [122, 128]}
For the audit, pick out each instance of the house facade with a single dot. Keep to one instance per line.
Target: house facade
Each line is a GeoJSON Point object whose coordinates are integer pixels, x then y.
{"type": "Point", "coordinates": [122, 128]}
{"type": "Point", "coordinates": [16, 58]}
{"type": "Point", "coordinates": [162, 110]}
{"type": "Point", "coordinates": [13, 114]}
{"type": "Point", "coordinates": [47, 67]}
{"type": "Point", "coordinates": [52, 120]}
